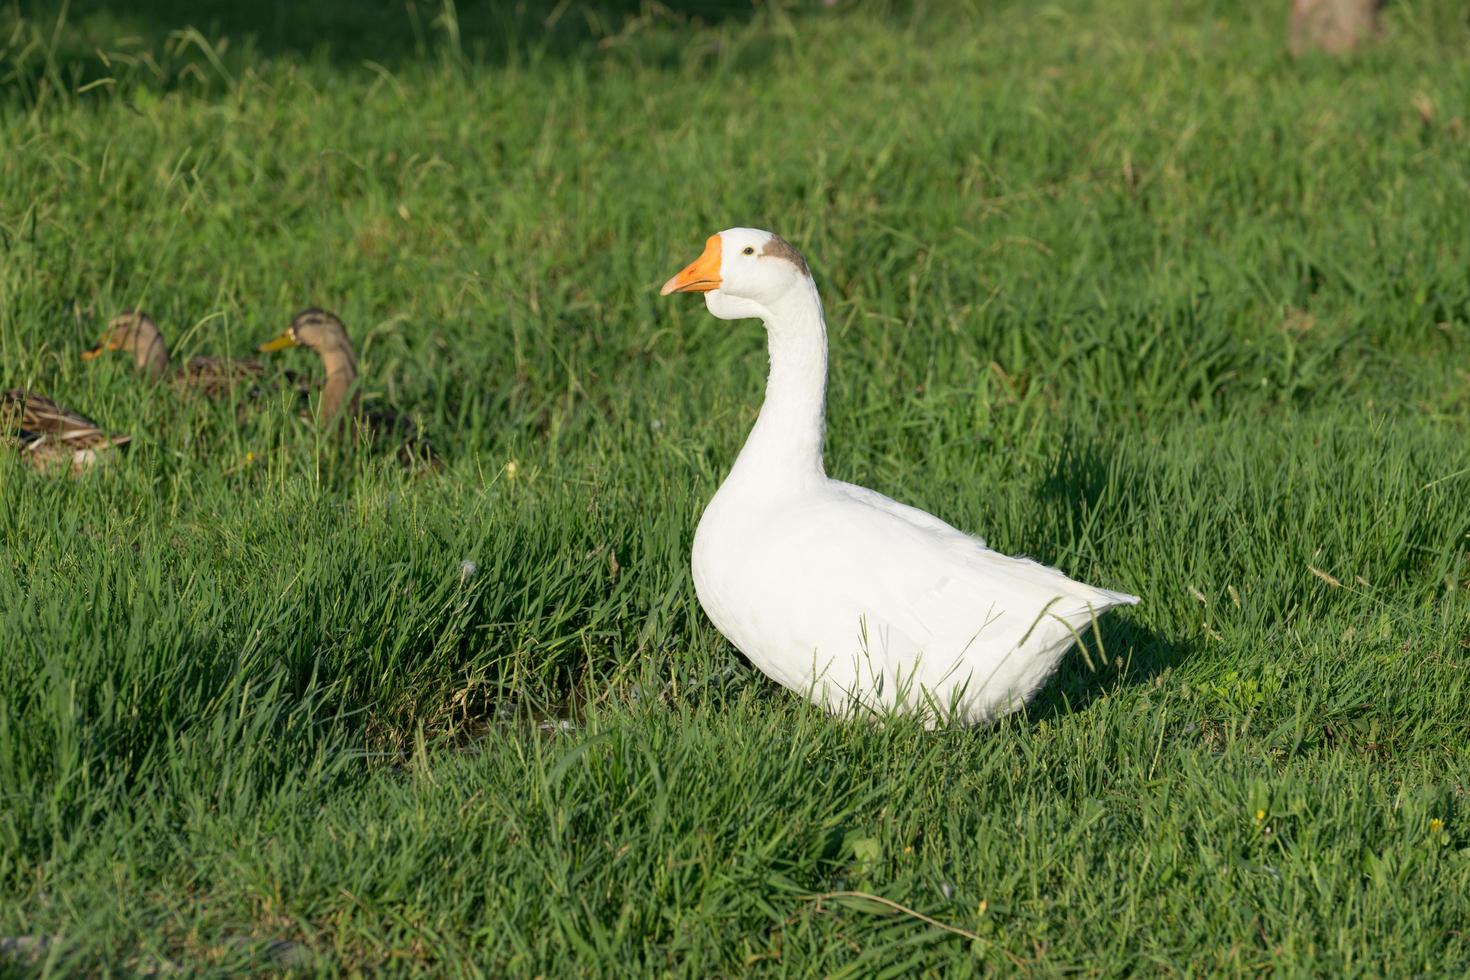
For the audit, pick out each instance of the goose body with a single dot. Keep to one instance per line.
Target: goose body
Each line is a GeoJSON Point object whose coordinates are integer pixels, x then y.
{"type": "Point", "coordinates": [863, 604]}
{"type": "Point", "coordinates": [50, 437]}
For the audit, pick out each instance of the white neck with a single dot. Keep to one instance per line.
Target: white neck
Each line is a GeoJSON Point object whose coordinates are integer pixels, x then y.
{"type": "Point", "coordinates": [784, 449]}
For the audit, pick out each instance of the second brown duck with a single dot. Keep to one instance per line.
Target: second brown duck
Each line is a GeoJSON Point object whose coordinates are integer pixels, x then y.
{"type": "Point", "coordinates": [137, 334]}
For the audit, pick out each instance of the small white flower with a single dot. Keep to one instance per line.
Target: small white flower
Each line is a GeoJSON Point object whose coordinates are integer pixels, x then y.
{"type": "Point", "coordinates": [467, 570]}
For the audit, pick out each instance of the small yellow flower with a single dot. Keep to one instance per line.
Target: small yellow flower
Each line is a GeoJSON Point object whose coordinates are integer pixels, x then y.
{"type": "Point", "coordinates": [510, 470]}
{"type": "Point", "coordinates": [1436, 825]}
{"type": "Point", "coordinates": [1260, 815]}
{"type": "Point", "coordinates": [249, 458]}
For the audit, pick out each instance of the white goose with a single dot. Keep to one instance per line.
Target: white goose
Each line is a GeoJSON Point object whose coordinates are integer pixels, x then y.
{"type": "Point", "coordinates": [862, 604]}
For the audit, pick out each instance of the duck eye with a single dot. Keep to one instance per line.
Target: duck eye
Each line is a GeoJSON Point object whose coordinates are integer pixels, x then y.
{"type": "Point", "coordinates": [748, 250]}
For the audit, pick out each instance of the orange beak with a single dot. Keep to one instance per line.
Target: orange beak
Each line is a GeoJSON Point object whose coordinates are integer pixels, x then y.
{"type": "Point", "coordinates": [701, 275]}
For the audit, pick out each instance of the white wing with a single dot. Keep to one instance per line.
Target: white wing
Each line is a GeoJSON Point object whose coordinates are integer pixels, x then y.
{"type": "Point", "coordinates": [922, 520]}
{"type": "Point", "coordinates": [865, 592]}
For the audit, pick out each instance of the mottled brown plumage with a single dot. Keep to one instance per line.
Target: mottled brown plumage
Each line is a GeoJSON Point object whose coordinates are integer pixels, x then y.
{"type": "Point", "coordinates": [50, 437]}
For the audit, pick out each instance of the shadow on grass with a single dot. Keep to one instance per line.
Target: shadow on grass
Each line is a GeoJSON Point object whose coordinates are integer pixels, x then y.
{"type": "Point", "coordinates": [1087, 480]}
{"type": "Point", "coordinates": [166, 43]}
{"type": "Point", "coordinates": [1136, 656]}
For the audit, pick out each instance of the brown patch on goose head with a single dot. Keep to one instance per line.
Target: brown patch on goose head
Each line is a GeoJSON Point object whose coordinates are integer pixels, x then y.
{"type": "Point", "coordinates": [780, 248]}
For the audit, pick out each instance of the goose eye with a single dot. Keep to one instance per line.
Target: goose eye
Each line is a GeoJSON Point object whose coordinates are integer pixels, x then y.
{"type": "Point", "coordinates": [748, 250]}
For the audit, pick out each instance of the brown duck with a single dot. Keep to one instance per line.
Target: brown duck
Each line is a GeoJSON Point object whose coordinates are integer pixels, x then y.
{"type": "Point", "coordinates": [136, 333]}
{"type": "Point", "coordinates": [50, 437]}
{"type": "Point", "coordinates": [323, 332]}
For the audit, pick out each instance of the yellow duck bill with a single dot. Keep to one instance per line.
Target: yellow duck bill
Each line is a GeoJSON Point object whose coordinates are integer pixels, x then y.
{"type": "Point", "coordinates": [281, 342]}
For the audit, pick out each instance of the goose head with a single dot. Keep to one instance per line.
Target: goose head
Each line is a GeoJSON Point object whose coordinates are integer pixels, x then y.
{"type": "Point", "coordinates": [744, 272]}
{"type": "Point", "coordinates": [135, 332]}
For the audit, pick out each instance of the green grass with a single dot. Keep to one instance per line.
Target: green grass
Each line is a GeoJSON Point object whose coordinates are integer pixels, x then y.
{"type": "Point", "coordinates": [1118, 285]}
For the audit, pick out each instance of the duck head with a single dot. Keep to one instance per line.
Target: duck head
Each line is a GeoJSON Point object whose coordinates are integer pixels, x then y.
{"type": "Point", "coordinates": [135, 332]}
{"type": "Point", "coordinates": [323, 332]}
{"type": "Point", "coordinates": [319, 330]}
{"type": "Point", "coordinates": [744, 272]}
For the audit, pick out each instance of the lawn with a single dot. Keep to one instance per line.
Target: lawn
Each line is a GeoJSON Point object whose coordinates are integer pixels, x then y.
{"type": "Point", "coordinates": [1119, 285]}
